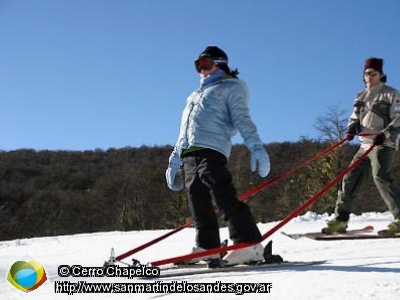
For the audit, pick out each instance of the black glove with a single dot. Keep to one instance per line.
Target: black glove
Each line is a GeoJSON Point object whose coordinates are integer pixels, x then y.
{"type": "Point", "coordinates": [351, 132]}
{"type": "Point", "coordinates": [379, 139]}
{"type": "Point", "coordinates": [349, 136]}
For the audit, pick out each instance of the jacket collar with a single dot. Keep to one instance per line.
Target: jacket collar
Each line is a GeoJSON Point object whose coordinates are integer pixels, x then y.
{"type": "Point", "coordinates": [210, 79]}
{"type": "Point", "coordinates": [375, 88]}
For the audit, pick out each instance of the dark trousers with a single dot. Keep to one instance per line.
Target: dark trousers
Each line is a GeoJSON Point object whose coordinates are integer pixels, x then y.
{"type": "Point", "coordinates": [379, 163]}
{"type": "Point", "coordinates": [209, 184]}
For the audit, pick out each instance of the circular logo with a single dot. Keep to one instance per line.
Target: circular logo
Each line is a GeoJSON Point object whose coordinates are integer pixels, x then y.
{"type": "Point", "coordinates": [26, 274]}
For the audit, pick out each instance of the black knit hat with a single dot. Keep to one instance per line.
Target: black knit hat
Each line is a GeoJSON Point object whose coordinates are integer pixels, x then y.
{"type": "Point", "coordinates": [218, 55]}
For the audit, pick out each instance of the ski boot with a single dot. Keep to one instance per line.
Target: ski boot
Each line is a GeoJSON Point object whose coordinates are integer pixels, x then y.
{"type": "Point", "coordinates": [246, 255]}
{"type": "Point", "coordinates": [392, 229]}
{"type": "Point", "coordinates": [207, 258]}
{"type": "Point", "coordinates": [334, 227]}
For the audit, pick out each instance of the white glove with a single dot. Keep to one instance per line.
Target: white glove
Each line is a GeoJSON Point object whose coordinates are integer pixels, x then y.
{"type": "Point", "coordinates": [173, 174]}
{"type": "Point", "coordinates": [260, 156]}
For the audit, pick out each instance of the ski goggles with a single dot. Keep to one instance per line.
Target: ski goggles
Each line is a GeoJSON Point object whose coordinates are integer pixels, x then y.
{"type": "Point", "coordinates": [371, 73]}
{"type": "Point", "coordinates": [205, 63]}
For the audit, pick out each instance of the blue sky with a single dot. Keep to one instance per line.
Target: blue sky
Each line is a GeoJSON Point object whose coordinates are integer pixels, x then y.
{"type": "Point", "coordinates": [83, 75]}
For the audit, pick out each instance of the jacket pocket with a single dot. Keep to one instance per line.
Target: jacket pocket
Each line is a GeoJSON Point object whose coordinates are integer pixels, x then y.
{"type": "Point", "coordinates": [382, 110]}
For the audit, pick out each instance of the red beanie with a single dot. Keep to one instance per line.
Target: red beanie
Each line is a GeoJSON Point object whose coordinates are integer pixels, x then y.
{"type": "Point", "coordinates": [374, 63]}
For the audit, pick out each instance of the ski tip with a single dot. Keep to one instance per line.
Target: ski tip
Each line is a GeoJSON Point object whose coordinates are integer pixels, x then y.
{"type": "Point", "coordinates": [369, 228]}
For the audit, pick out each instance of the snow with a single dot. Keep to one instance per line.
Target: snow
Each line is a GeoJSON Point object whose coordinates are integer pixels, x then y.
{"type": "Point", "coordinates": [363, 269]}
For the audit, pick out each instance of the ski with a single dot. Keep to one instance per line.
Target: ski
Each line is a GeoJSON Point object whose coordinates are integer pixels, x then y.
{"type": "Point", "coordinates": [320, 235]}
{"type": "Point", "coordinates": [359, 236]}
{"type": "Point", "coordinates": [190, 271]}
{"type": "Point", "coordinates": [270, 261]}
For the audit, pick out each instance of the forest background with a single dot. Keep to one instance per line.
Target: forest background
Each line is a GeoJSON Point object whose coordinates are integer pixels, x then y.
{"type": "Point", "coordinates": [46, 193]}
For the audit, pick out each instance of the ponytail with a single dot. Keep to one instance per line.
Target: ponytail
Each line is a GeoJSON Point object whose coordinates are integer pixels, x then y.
{"type": "Point", "coordinates": [228, 71]}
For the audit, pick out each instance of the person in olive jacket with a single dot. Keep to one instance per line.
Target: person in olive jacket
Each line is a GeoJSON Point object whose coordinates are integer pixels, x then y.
{"type": "Point", "coordinates": [376, 111]}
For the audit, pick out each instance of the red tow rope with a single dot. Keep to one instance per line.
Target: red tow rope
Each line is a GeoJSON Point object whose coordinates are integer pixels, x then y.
{"type": "Point", "coordinates": [272, 230]}
{"type": "Point", "coordinates": [241, 198]}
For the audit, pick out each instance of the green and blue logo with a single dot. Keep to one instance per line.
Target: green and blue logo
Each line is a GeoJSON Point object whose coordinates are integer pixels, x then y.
{"type": "Point", "coordinates": [26, 274]}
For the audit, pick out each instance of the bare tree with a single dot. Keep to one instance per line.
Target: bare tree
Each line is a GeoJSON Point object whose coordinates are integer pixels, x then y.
{"type": "Point", "coordinates": [332, 126]}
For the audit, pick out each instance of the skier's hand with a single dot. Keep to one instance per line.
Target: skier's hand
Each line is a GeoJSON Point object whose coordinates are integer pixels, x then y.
{"type": "Point", "coordinates": [260, 157]}
{"type": "Point", "coordinates": [173, 175]}
{"type": "Point", "coordinates": [349, 136]}
{"type": "Point", "coordinates": [351, 132]}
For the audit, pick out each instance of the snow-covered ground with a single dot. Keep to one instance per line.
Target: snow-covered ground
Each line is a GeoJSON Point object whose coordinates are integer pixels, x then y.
{"type": "Point", "coordinates": [363, 269]}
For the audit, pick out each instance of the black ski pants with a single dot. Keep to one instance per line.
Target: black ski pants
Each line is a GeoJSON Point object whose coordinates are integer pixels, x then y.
{"type": "Point", "coordinates": [209, 183]}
